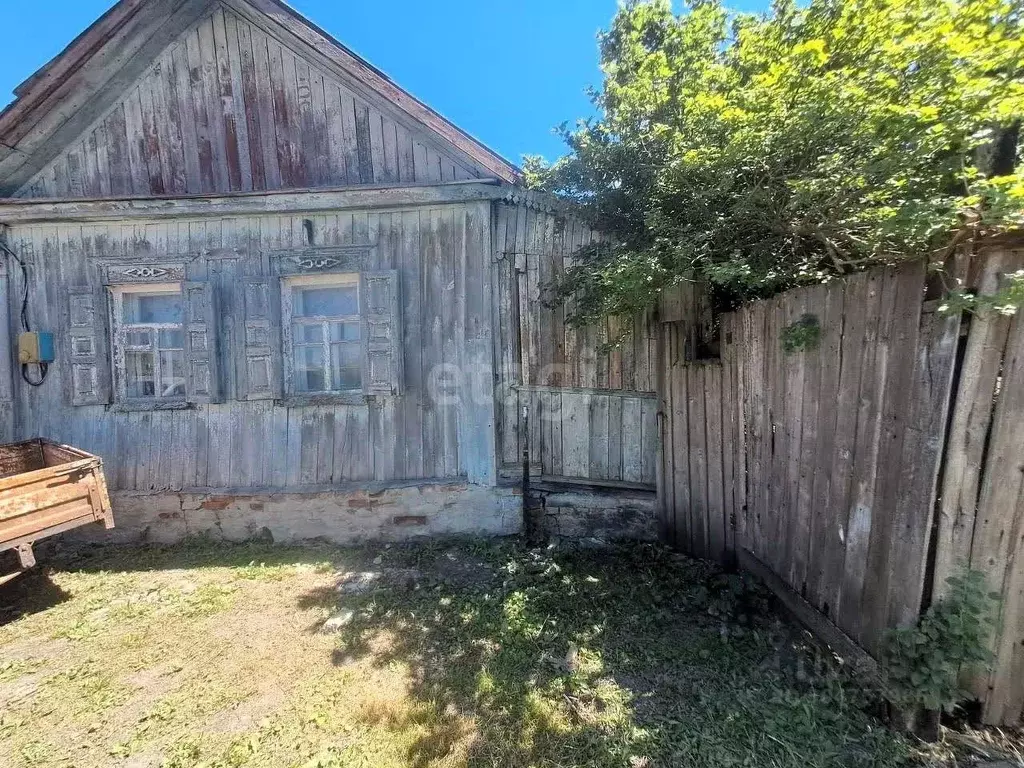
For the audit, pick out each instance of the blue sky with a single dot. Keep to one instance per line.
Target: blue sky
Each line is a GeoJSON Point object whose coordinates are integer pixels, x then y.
{"type": "Point", "coordinates": [507, 72]}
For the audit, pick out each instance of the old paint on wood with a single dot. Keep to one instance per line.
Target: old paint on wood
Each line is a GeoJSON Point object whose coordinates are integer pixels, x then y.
{"type": "Point", "coordinates": [47, 489]}
{"type": "Point", "coordinates": [229, 115]}
{"type": "Point", "coordinates": [593, 414]}
{"type": "Point", "coordinates": [844, 447]}
{"type": "Point", "coordinates": [266, 443]}
{"type": "Point", "coordinates": [213, 86]}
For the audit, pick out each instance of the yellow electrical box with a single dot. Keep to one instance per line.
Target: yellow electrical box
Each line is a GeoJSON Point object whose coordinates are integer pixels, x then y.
{"type": "Point", "coordinates": [35, 348]}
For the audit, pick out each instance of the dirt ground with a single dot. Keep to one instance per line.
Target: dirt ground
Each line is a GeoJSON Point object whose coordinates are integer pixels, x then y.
{"type": "Point", "coordinates": [441, 654]}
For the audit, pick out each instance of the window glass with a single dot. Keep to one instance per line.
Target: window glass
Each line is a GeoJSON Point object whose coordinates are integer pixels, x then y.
{"type": "Point", "coordinates": [156, 308]}
{"type": "Point", "coordinates": [345, 331]}
{"type": "Point", "coordinates": [334, 301]}
{"type": "Point", "coordinates": [172, 373]}
{"type": "Point", "coordinates": [325, 338]}
{"type": "Point", "coordinates": [346, 366]}
{"type": "Point", "coordinates": [153, 334]}
{"type": "Point", "coordinates": [173, 339]}
{"type": "Point", "coordinates": [139, 374]}
{"type": "Point", "coordinates": [138, 339]}
{"type": "Point", "coordinates": [308, 334]}
{"type": "Point", "coordinates": [310, 372]}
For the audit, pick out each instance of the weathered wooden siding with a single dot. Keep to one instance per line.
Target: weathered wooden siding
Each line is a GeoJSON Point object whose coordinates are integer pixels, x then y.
{"type": "Point", "coordinates": [443, 257]}
{"type": "Point", "coordinates": [844, 443]}
{"type": "Point", "coordinates": [700, 488]}
{"type": "Point", "coordinates": [609, 437]}
{"type": "Point", "coordinates": [843, 465]}
{"type": "Point", "coordinates": [841, 444]}
{"type": "Point", "coordinates": [593, 413]}
{"type": "Point", "coordinates": [981, 521]}
{"type": "Point", "coordinates": [230, 107]}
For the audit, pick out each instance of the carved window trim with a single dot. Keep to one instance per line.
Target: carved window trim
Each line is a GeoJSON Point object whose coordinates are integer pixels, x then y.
{"type": "Point", "coordinates": [327, 259]}
{"type": "Point", "coordinates": [132, 273]}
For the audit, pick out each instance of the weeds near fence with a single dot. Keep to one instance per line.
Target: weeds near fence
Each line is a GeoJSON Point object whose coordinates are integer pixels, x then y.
{"type": "Point", "coordinates": [923, 664]}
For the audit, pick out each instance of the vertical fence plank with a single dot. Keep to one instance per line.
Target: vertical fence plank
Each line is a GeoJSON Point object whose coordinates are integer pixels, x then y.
{"type": "Point", "coordinates": [923, 443]}
{"type": "Point", "coordinates": [1005, 692]}
{"type": "Point", "coordinates": [557, 464]}
{"type": "Point", "coordinates": [681, 456]}
{"type": "Point", "coordinates": [760, 431]}
{"type": "Point", "coordinates": [900, 347]}
{"type": "Point", "coordinates": [648, 439]}
{"type": "Point", "coordinates": [881, 292]}
{"type": "Point", "coordinates": [666, 491]}
{"type": "Point", "coordinates": [824, 546]}
{"type": "Point", "coordinates": [969, 429]}
{"type": "Point", "coordinates": [599, 437]}
{"type": "Point", "coordinates": [806, 446]}
{"type": "Point", "coordinates": [632, 446]}
{"type": "Point", "coordinates": [615, 437]}
{"type": "Point", "coordinates": [998, 547]}
{"type": "Point", "coordinates": [716, 523]}
{"type": "Point", "coordinates": [575, 434]}
{"type": "Point", "coordinates": [730, 436]}
{"type": "Point", "coordinates": [698, 460]}
{"type": "Point", "coordinates": [780, 380]}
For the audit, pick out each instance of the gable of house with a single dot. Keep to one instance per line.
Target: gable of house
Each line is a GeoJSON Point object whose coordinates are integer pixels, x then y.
{"type": "Point", "coordinates": [241, 163]}
{"type": "Point", "coordinates": [212, 96]}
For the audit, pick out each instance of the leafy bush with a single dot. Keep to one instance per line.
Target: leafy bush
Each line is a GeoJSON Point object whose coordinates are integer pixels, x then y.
{"type": "Point", "coordinates": [764, 152]}
{"type": "Point", "coordinates": [923, 663]}
{"type": "Point", "coordinates": [1005, 301]}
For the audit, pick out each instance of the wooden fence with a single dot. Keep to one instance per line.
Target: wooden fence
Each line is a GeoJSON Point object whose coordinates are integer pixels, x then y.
{"type": "Point", "coordinates": [592, 410]}
{"type": "Point", "coordinates": [865, 467]}
{"type": "Point", "coordinates": [981, 505]}
{"type": "Point", "coordinates": [600, 437]}
{"type": "Point", "coordinates": [699, 490]}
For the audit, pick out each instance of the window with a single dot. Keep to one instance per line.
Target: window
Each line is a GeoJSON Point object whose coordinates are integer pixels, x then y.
{"type": "Point", "coordinates": [149, 335]}
{"type": "Point", "coordinates": [319, 338]}
{"type": "Point", "coordinates": [323, 334]}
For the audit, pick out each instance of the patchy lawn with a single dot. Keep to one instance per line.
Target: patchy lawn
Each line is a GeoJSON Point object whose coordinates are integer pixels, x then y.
{"type": "Point", "coordinates": [444, 654]}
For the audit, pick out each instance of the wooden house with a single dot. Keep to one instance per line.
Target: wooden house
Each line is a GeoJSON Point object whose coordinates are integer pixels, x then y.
{"type": "Point", "coordinates": [287, 296]}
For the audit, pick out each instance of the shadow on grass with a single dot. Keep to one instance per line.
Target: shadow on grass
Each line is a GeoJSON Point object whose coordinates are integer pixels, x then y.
{"type": "Point", "coordinates": [31, 592]}
{"type": "Point", "coordinates": [636, 658]}
{"type": "Point", "coordinates": [196, 553]}
{"type": "Point", "coordinates": [35, 591]}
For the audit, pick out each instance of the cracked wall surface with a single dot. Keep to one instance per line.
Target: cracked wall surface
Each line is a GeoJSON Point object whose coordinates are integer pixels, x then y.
{"type": "Point", "coordinates": [340, 517]}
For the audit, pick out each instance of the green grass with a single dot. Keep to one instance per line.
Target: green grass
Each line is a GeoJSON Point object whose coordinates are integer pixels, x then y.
{"type": "Point", "coordinates": [638, 658]}
{"type": "Point", "coordinates": [475, 654]}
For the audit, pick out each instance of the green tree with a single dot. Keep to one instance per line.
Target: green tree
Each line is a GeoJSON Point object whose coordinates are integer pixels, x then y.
{"type": "Point", "coordinates": [763, 152]}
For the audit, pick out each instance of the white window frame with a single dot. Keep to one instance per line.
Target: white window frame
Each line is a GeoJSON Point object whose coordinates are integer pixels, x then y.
{"type": "Point", "coordinates": [288, 320]}
{"type": "Point", "coordinates": [119, 330]}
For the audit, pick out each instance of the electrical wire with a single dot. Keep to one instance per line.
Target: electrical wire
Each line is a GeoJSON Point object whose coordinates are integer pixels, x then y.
{"type": "Point", "coordinates": [44, 368]}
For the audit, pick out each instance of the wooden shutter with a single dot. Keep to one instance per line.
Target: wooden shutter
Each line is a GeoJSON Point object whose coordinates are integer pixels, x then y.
{"type": "Point", "coordinates": [88, 347]}
{"type": "Point", "coordinates": [382, 333]}
{"type": "Point", "coordinates": [202, 377]}
{"type": "Point", "coordinates": [259, 364]}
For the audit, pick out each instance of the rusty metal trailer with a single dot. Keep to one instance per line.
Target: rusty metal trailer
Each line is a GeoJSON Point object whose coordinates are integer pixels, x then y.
{"type": "Point", "coordinates": [46, 489]}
